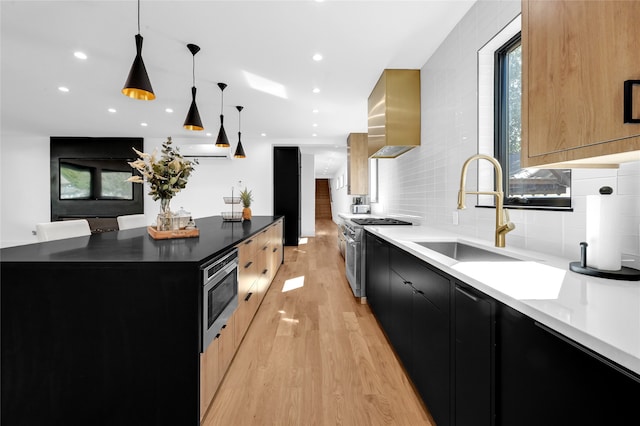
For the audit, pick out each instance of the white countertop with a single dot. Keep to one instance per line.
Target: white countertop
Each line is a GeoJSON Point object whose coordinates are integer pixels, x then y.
{"type": "Point", "coordinates": [601, 314]}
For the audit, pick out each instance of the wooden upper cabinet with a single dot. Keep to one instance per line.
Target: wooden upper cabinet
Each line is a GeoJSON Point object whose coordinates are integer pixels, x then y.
{"type": "Point", "coordinates": [576, 57]}
{"type": "Point", "coordinates": [358, 164]}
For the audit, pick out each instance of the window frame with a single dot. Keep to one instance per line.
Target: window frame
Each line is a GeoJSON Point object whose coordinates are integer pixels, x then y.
{"type": "Point", "coordinates": [501, 135]}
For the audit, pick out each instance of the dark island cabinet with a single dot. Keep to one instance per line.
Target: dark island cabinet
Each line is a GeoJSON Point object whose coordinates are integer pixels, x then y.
{"type": "Point", "coordinates": [106, 329]}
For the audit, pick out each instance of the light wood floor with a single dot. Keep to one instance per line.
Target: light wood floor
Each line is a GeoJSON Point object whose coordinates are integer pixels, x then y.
{"type": "Point", "coordinates": [314, 355]}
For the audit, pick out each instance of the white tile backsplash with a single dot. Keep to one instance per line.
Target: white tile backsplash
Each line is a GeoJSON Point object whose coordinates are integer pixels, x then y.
{"type": "Point", "coordinates": [425, 181]}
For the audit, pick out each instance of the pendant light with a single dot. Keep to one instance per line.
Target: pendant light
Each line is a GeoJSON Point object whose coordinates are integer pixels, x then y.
{"type": "Point", "coordinates": [239, 150]}
{"type": "Point", "coordinates": [193, 121]}
{"type": "Point", "coordinates": [138, 85]}
{"type": "Point", "coordinates": [222, 141]}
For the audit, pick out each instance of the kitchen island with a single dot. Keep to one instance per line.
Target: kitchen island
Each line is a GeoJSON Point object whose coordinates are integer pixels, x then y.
{"type": "Point", "coordinates": [106, 329]}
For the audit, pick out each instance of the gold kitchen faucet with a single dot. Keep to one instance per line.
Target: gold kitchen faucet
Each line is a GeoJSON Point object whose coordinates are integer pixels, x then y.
{"type": "Point", "coordinates": [503, 225]}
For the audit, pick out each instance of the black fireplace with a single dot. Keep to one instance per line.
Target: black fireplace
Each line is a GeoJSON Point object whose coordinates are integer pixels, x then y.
{"type": "Point", "coordinates": [88, 180]}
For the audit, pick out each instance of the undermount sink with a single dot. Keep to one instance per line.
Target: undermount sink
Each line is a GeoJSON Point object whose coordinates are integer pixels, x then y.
{"type": "Point", "coordinates": [466, 253]}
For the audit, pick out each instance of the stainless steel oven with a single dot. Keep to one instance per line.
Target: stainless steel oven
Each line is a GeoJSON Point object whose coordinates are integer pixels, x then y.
{"type": "Point", "coordinates": [219, 295]}
{"type": "Point", "coordinates": [355, 253]}
{"type": "Point", "coordinates": [353, 258]}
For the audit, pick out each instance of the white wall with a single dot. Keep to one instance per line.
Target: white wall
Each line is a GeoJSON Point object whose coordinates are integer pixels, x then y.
{"type": "Point", "coordinates": [425, 182]}
{"type": "Point", "coordinates": [308, 197]}
{"type": "Point", "coordinates": [340, 200]}
{"type": "Point", "coordinates": [25, 189]}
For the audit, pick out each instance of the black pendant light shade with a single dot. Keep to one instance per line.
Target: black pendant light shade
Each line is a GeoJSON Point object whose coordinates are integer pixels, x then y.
{"type": "Point", "coordinates": [193, 121]}
{"type": "Point", "coordinates": [239, 150]}
{"type": "Point", "coordinates": [138, 85]}
{"type": "Point", "coordinates": [222, 141]}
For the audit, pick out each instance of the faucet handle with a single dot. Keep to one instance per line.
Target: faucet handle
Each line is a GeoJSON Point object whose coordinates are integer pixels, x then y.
{"type": "Point", "coordinates": [510, 226]}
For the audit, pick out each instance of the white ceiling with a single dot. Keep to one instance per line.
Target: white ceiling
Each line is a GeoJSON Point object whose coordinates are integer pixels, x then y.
{"type": "Point", "coordinates": [273, 40]}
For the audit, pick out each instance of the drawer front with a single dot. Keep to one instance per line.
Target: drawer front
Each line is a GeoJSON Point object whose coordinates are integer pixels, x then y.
{"type": "Point", "coordinates": [434, 287]}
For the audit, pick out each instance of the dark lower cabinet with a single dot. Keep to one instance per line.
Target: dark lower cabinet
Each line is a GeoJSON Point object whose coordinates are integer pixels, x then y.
{"type": "Point", "coordinates": [430, 368]}
{"type": "Point", "coordinates": [377, 277]}
{"type": "Point", "coordinates": [544, 378]}
{"type": "Point", "coordinates": [477, 362]}
{"type": "Point", "coordinates": [419, 329]}
{"type": "Point", "coordinates": [474, 356]}
{"type": "Point", "coordinates": [400, 327]}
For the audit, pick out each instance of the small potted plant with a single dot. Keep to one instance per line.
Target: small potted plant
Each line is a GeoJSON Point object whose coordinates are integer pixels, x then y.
{"type": "Point", "coordinates": [246, 197]}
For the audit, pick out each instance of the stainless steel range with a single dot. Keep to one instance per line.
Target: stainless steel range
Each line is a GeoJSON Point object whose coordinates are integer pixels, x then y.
{"type": "Point", "coordinates": [355, 255]}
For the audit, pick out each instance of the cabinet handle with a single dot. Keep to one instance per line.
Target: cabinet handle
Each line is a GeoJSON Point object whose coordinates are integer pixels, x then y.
{"type": "Point", "coordinates": [407, 283]}
{"type": "Point", "coordinates": [217, 335]}
{"type": "Point", "coordinates": [628, 101]}
{"type": "Point", "coordinates": [274, 250]}
{"type": "Point", "coordinates": [248, 241]}
{"type": "Point", "coordinates": [264, 272]}
{"type": "Point", "coordinates": [264, 248]}
{"type": "Point", "coordinates": [588, 351]}
{"type": "Point", "coordinates": [469, 295]}
{"type": "Point", "coordinates": [247, 265]}
{"type": "Point", "coordinates": [223, 327]}
{"type": "Point", "coordinates": [248, 296]}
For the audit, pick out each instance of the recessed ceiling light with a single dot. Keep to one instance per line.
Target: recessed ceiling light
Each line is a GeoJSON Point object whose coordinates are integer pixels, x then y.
{"type": "Point", "coordinates": [314, 134]}
{"type": "Point", "coordinates": [80, 55]}
{"type": "Point", "coordinates": [208, 134]}
{"type": "Point", "coordinates": [111, 110]}
{"type": "Point", "coordinates": [169, 110]}
{"type": "Point", "coordinates": [263, 134]}
{"type": "Point", "coordinates": [317, 57]}
{"type": "Point", "coordinates": [63, 89]}
{"type": "Point", "coordinates": [315, 111]}
{"type": "Point", "coordinates": [316, 90]}
{"type": "Point", "coordinates": [144, 124]}
{"type": "Point", "coordinates": [315, 124]}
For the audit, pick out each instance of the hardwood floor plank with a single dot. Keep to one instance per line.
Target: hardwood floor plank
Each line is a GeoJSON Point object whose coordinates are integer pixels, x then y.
{"type": "Point", "coordinates": [314, 355]}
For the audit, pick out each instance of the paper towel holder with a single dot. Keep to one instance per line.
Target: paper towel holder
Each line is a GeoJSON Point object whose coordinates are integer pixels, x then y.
{"type": "Point", "coordinates": [625, 273]}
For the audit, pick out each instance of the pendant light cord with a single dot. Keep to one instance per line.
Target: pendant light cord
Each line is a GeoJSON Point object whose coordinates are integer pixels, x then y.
{"type": "Point", "coordinates": [138, 16]}
{"type": "Point", "coordinates": [221, 105]}
{"type": "Point", "coordinates": [194, 70]}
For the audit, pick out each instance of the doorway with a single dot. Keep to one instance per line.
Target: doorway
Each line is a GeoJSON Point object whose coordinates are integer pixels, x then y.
{"type": "Point", "coordinates": [323, 199]}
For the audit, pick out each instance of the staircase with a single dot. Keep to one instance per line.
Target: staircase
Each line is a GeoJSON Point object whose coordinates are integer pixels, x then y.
{"type": "Point", "coordinates": [323, 199]}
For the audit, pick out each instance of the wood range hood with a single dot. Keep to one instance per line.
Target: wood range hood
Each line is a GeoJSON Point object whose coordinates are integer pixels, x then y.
{"type": "Point", "coordinates": [394, 113]}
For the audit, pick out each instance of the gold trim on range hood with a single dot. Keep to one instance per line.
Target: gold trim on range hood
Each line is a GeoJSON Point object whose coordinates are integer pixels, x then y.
{"type": "Point", "coordinates": [394, 113]}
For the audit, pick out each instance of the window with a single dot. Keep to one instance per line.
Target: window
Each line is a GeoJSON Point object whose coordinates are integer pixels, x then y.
{"type": "Point", "coordinates": [546, 188]}
{"type": "Point", "coordinates": [95, 179]}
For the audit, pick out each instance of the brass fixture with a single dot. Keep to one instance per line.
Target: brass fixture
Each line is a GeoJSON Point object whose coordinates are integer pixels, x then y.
{"type": "Point", "coordinates": [394, 113]}
{"type": "Point", "coordinates": [503, 225]}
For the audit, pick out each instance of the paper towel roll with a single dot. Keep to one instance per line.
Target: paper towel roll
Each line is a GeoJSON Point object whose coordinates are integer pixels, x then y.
{"type": "Point", "coordinates": [603, 236]}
